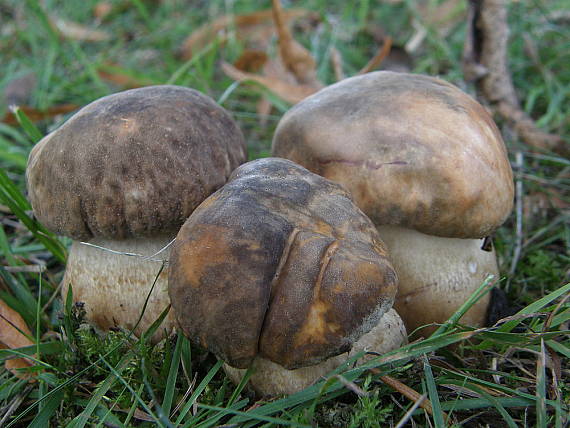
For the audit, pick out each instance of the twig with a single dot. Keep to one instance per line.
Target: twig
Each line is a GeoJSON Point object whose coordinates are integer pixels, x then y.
{"type": "Point", "coordinates": [485, 61]}
{"type": "Point", "coordinates": [406, 391]}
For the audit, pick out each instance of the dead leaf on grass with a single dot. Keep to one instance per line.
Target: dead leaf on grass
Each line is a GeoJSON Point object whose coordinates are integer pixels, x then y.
{"type": "Point", "coordinates": [251, 60]}
{"type": "Point", "coordinates": [295, 57]}
{"type": "Point", "coordinates": [36, 115]}
{"type": "Point", "coordinates": [290, 92]}
{"type": "Point", "coordinates": [14, 334]}
{"type": "Point", "coordinates": [255, 28]}
{"type": "Point", "coordinates": [113, 74]}
{"type": "Point", "coordinates": [73, 30]}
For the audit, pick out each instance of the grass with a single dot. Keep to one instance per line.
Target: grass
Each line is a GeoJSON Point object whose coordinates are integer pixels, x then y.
{"type": "Point", "coordinates": [514, 374]}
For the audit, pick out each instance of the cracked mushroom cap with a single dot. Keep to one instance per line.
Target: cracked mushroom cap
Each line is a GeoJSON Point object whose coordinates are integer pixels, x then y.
{"type": "Point", "coordinates": [279, 263]}
{"type": "Point", "coordinates": [413, 151]}
{"type": "Point", "coordinates": [135, 163]}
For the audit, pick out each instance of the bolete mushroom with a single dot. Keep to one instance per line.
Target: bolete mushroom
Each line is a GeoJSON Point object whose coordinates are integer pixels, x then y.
{"type": "Point", "coordinates": [281, 270]}
{"type": "Point", "coordinates": [427, 164]}
{"type": "Point", "coordinates": [124, 173]}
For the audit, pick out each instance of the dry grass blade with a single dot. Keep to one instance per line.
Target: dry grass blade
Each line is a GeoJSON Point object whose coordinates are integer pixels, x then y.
{"type": "Point", "coordinates": [377, 59]}
{"type": "Point", "coordinates": [351, 386]}
{"type": "Point", "coordinates": [336, 61]}
{"type": "Point", "coordinates": [406, 391]}
{"type": "Point", "coordinates": [289, 92]}
{"type": "Point", "coordinates": [75, 31]}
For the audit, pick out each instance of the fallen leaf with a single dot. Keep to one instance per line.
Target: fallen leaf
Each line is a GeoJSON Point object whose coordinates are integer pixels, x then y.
{"type": "Point", "coordinates": [112, 73]}
{"type": "Point", "coordinates": [251, 61]}
{"type": "Point", "coordinates": [36, 115]}
{"type": "Point", "coordinates": [102, 9]}
{"type": "Point", "coordinates": [14, 334]}
{"type": "Point", "coordinates": [73, 30]}
{"type": "Point", "coordinates": [255, 28]}
{"type": "Point", "coordinates": [292, 93]}
{"type": "Point", "coordinates": [295, 57]}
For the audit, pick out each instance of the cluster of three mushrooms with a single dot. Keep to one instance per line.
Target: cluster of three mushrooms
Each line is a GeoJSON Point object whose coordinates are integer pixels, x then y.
{"type": "Point", "coordinates": [280, 269]}
{"type": "Point", "coordinates": [277, 265]}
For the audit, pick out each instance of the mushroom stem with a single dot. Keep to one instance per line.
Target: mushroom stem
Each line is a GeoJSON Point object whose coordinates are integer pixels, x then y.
{"type": "Point", "coordinates": [270, 379]}
{"type": "Point", "coordinates": [114, 286]}
{"type": "Point", "coordinates": [437, 275]}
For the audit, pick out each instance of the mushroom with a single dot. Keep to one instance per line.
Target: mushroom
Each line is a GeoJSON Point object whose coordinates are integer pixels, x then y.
{"type": "Point", "coordinates": [280, 270]}
{"type": "Point", "coordinates": [124, 173]}
{"type": "Point", "coordinates": [427, 164]}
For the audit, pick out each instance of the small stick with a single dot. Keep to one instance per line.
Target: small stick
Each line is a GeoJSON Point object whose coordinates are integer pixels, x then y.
{"type": "Point", "coordinates": [406, 391]}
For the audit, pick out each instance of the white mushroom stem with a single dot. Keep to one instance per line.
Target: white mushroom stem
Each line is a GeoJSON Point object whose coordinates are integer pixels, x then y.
{"type": "Point", "coordinates": [436, 276]}
{"type": "Point", "coordinates": [270, 379]}
{"type": "Point", "coordinates": [114, 286]}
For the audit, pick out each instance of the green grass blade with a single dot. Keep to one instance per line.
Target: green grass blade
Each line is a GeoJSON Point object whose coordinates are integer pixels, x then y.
{"type": "Point", "coordinates": [83, 418]}
{"type": "Point", "coordinates": [481, 291]}
{"type": "Point", "coordinates": [172, 376]}
{"type": "Point", "coordinates": [254, 416]}
{"type": "Point", "coordinates": [48, 410]}
{"type": "Point", "coordinates": [541, 416]}
{"type": "Point", "coordinates": [27, 125]}
{"type": "Point", "coordinates": [199, 389]}
{"type": "Point", "coordinates": [433, 395]}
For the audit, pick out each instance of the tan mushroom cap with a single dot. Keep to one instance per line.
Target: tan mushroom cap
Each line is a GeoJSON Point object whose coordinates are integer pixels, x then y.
{"type": "Point", "coordinates": [279, 263]}
{"type": "Point", "coordinates": [414, 151]}
{"type": "Point", "coordinates": [131, 164]}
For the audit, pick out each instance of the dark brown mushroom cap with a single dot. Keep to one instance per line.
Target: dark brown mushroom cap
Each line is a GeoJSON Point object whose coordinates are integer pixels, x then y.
{"type": "Point", "coordinates": [413, 150]}
{"type": "Point", "coordinates": [135, 163]}
{"type": "Point", "coordinates": [279, 263]}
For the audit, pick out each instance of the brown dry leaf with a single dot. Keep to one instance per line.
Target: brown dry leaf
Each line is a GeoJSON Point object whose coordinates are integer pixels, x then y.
{"type": "Point", "coordinates": [13, 331]}
{"type": "Point", "coordinates": [251, 60]}
{"type": "Point", "coordinates": [102, 9]}
{"type": "Point", "coordinates": [73, 30]}
{"type": "Point", "coordinates": [377, 59]}
{"type": "Point", "coordinates": [36, 115]}
{"type": "Point", "coordinates": [292, 93]}
{"type": "Point", "coordinates": [295, 57]}
{"type": "Point", "coordinates": [257, 28]}
{"type": "Point", "coordinates": [112, 73]}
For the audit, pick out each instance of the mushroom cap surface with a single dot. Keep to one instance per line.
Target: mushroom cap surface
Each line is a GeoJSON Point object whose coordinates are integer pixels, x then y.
{"type": "Point", "coordinates": [279, 263]}
{"type": "Point", "coordinates": [413, 151]}
{"type": "Point", "coordinates": [133, 164]}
